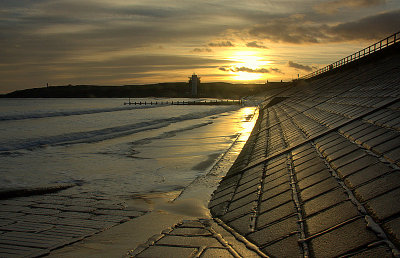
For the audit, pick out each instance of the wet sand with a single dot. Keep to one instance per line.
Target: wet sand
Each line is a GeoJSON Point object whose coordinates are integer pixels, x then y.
{"type": "Point", "coordinates": [166, 210]}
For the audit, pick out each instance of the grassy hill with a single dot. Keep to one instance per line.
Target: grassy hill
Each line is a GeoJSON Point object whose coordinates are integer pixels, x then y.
{"type": "Point", "coordinates": [178, 89]}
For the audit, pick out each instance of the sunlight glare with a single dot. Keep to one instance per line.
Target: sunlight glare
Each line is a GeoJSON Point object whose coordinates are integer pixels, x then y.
{"type": "Point", "coordinates": [245, 76]}
{"type": "Point", "coordinates": [248, 120]}
{"type": "Point", "coordinates": [249, 60]}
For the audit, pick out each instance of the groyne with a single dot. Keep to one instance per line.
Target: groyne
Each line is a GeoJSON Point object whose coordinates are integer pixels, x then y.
{"type": "Point", "coordinates": [182, 102]}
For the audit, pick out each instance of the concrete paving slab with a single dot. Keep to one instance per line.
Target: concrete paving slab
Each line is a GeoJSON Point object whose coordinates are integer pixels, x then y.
{"type": "Point", "coordinates": [276, 214]}
{"type": "Point", "coordinates": [376, 251]}
{"type": "Point", "coordinates": [379, 186]}
{"type": "Point", "coordinates": [9, 250]}
{"type": "Point", "coordinates": [287, 247]}
{"type": "Point", "coordinates": [247, 208]}
{"type": "Point", "coordinates": [324, 201]}
{"type": "Point", "coordinates": [253, 197]}
{"type": "Point", "coordinates": [249, 184]}
{"type": "Point", "coordinates": [312, 162]}
{"type": "Point", "coordinates": [216, 252]}
{"type": "Point", "coordinates": [273, 232]}
{"type": "Point", "coordinates": [317, 168]}
{"type": "Point", "coordinates": [342, 152]}
{"type": "Point", "coordinates": [385, 205]}
{"type": "Point", "coordinates": [276, 179]}
{"type": "Point", "coordinates": [352, 156]}
{"type": "Point", "coordinates": [313, 179]}
{"type": "Point", "coordinates": [279, 175]}
{"type": "Point", "coordinates": [377, 132]}
{"type": "Point", "coordinates": [244, 224]}
{"type": "Point", "coordinates": [394, 155]}
{"type": "Point", "coordinates": [249, 191]}
{"type": "Point", "coordinates": [393, 228]}
{"type": "Point", "coordinates": [26, 226]}
{"type": "Point", "coordinates": [387, 136]}
{"type": "Point", "coordinates": [331, 217]}
{"type": "Point", "coordinates": [366, 174]}
{"type": "Point", "coordinates": [168, 251]}
{"type": "Point", "coordinates": [385, 147]}
{"type": "Point", "coordinates": [319, 189]}
{"type": "Point", "coordinates": [272, 192]}
{"type": "Point", "coordinates": [347, 238]}
{"type": "Point", "coordinates": [357, 165]}
{"type": "Point", "coordinates": [275, 201]}
{"type": "Point", "coordinates": [206, 239]}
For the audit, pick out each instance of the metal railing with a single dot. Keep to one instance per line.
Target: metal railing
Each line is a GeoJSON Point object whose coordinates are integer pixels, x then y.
{"type": "Point", "coordinates": [360, 54]}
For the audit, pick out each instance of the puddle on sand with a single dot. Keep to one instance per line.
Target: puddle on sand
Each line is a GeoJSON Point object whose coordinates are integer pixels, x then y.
{"type": "Point", "coordinates": [148, 201]}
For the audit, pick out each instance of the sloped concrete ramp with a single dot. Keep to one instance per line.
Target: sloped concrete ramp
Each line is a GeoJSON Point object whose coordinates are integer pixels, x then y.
{"type": "Point", "coordinates": [319, 177]}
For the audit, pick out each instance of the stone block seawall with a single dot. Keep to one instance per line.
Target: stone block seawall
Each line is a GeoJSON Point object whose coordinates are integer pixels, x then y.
{"type": "Point", "coordinates": [319, 176]}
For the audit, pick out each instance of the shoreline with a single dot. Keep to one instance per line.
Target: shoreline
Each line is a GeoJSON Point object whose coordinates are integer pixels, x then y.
{"type": "Point", "coordinates": [167, 210]}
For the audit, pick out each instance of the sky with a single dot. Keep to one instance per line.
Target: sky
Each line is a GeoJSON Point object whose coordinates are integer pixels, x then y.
{"type": "Point", "coordinates": [123, 42]}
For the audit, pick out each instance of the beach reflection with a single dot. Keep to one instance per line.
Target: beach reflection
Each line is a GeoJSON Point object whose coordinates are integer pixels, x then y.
{"type": "Point", "coordinates": [249, 117]}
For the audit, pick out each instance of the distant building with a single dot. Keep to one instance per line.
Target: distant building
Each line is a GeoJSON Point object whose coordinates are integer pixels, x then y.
{"type": "Point", "coordinates": [194, 82]}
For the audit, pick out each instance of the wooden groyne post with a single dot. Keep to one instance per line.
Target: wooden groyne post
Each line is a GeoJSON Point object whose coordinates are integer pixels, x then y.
{"type": "Point", "coordinates": [210, 102]}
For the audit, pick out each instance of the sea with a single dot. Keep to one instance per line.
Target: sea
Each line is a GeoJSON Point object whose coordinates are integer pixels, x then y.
{"type": "Point", "coordinates": [114, 149]}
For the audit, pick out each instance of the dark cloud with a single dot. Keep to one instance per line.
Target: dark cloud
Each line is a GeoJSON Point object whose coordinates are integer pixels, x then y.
{"type": "Point", "coordinates": [128, 70]}
{"type": "Point", "coordinates": [86, 40]}
{"type": "Point", "coordinates": [300, 66]}
{"type": "Point", "coordinates": [369, 28]}
{"type": "Point", "coordinates": [202, 50]}
{"type": "Point", "coordinates": [300, 29]}
{"type": "Point", "coordinates": [249, 70]}
{"type": "Point", "coordinates": [255, 45]}
{"type": "Point", "coordinates": [243, 69]}
{"type": "Point", "coordinates": [332, 7]}
{"type": "Point", "coordinates": [276, 70]}
{"type": "Point", "coordinates": [221, 44]}
{"type": "Point", "coordinates": [292, 29]}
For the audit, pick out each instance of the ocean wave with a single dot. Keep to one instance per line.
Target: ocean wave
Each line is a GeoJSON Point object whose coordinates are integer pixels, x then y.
{"type": "Point", "coordinates": [36, 115]}
{"type": "Point", "coordinates": [169, 134]}
{"type": "Point", "coordinates": [105, 133]}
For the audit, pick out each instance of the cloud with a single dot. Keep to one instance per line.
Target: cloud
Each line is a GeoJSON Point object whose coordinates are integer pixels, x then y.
{"type": "Point", "coordinates": [249, 70]}
{"type": "Point", "coordinates": [369, 28]}
{"type": "Point", "coordinates": [300, 66]}
{"type": "Point", "coordinates": [276, 70]}
{"type": "Point", "coordinates": [255, 45]}
{"type": "Point", "coordinates": [291, 29]}
{"type": "Point", "coordinates": [89, 40]}
{"type": "Point", "coordinates": [201, 50]}
{"type": "Point", "coordinates": [243, 69]}
{"type": "Point", "coordinates": [332, 7]}
{"type": "Point", "coordinates": [221, 44]}
{"type": "Point", "coordinates": [301, 29]}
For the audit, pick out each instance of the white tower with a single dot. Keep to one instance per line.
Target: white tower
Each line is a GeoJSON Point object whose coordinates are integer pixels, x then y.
{"type": "Point", "coordinates": [194, 82]}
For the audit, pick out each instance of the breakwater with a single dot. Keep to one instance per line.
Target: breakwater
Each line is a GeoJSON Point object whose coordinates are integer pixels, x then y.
{"type": "Point", "coordinates": [203, 102]}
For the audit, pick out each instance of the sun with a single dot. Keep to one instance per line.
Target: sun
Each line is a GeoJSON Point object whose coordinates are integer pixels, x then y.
{"type": "Point", "coordinates": [245, 76]}
{"type": "Point", "coordinates": [250, 60]}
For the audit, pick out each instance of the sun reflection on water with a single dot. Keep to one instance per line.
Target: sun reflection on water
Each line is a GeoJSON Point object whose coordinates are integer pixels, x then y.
{"type": "Point", "coordinates": [249, 117]}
